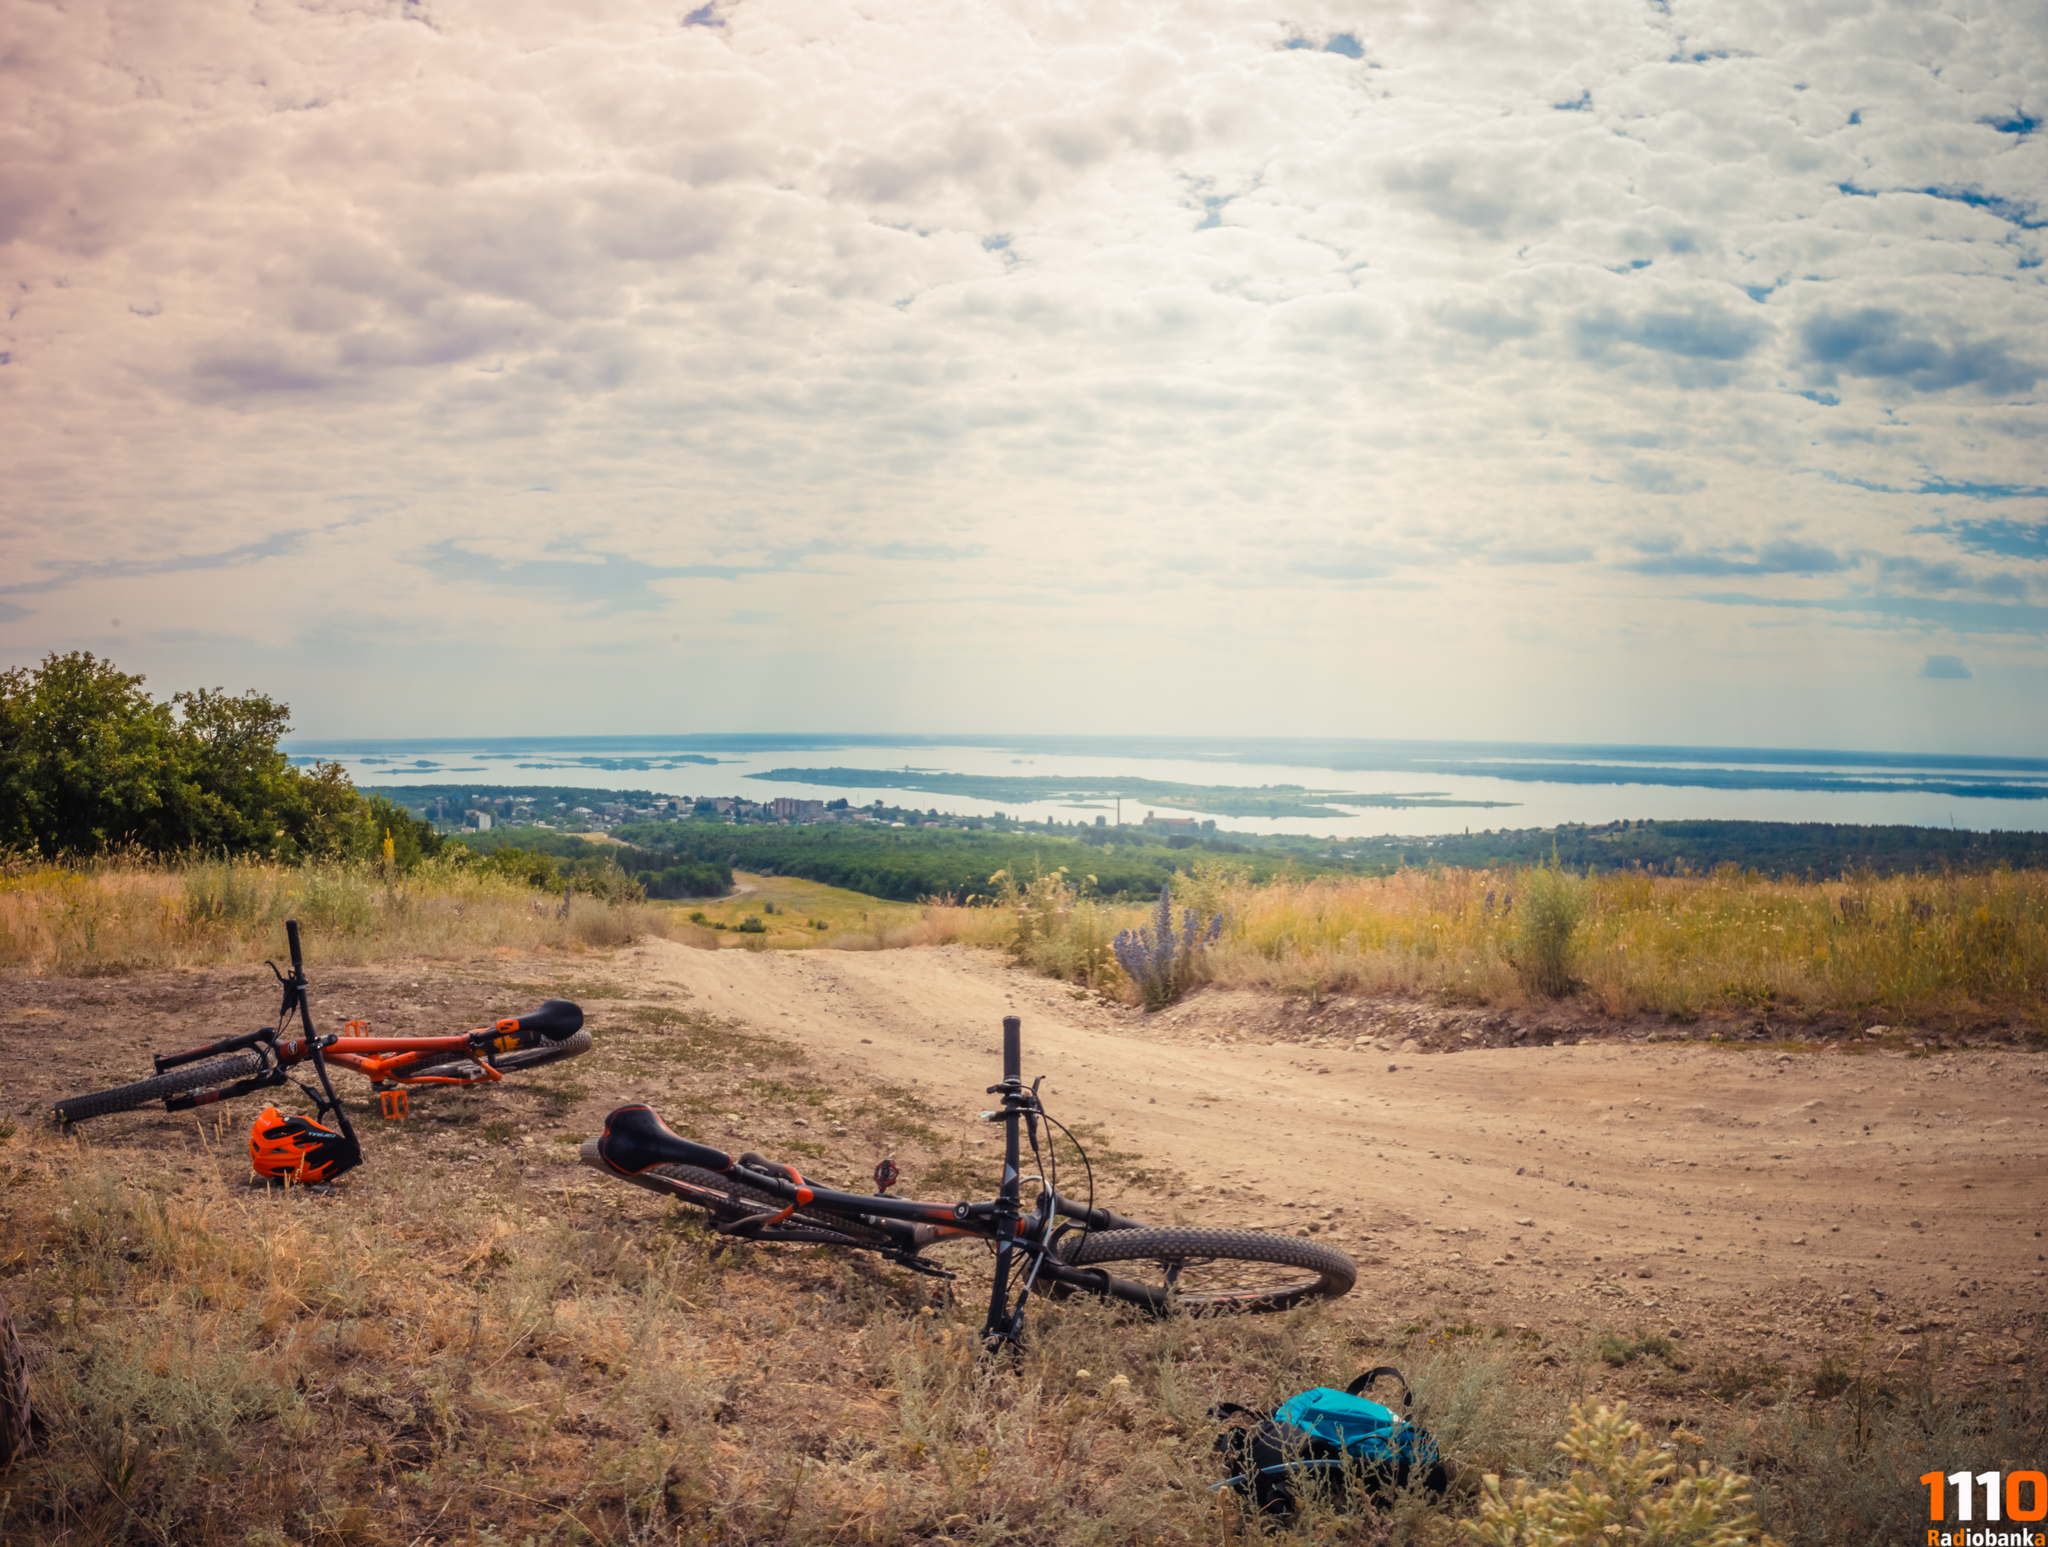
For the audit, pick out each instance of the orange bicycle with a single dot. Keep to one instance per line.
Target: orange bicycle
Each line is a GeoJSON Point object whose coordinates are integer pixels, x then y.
{"type": "Point", "coordinates": [257, 1060]}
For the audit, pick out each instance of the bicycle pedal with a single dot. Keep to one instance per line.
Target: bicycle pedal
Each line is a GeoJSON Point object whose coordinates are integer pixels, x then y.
{"type": "Point", "coordinates": [397, 1104]}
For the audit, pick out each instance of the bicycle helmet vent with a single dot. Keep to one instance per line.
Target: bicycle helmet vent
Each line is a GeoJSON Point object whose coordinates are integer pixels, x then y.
{"type": "Point", "coordinates": [298, 1149]}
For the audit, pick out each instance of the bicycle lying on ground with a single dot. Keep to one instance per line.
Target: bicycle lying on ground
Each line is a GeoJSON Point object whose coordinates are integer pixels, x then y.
{"type": "Point", "coordinates": [1060, 1248]}
{"type": "Point", "coordinates": [257, 1060]}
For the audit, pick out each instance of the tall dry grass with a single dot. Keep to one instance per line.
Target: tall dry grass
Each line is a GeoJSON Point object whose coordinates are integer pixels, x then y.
{"type": "Point", "coordinates": [1903, 946]}
{"type": "Point", "coordinates": [119, 915]}
{"type": "Point", "coordinates": [478, 1354]}
{"type": "Point", "coordinates": [484, 1349]}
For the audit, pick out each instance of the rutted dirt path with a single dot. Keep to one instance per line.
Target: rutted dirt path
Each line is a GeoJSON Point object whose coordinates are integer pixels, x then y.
{"type": "Point", "coordinates": [1875, 1194]}
{"type": "Point", "coordinates": [1769, 1207]}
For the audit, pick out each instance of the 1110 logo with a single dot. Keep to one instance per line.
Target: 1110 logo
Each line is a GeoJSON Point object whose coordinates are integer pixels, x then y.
{"type": "Point", "coordinates": [2007, 1496]}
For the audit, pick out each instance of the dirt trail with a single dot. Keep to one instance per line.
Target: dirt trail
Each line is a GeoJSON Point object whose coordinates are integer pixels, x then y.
{"type": "Point", "coordinates": [1645, 1181]}
{"type": "Point", "coordinates": [1772, 1207]}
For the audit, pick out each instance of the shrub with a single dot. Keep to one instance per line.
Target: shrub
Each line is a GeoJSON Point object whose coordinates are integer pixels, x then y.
{"type": "Point", "coordinates": [1159, 963]}
{"type": "Point", "coordinates": [538, 870]}
{"type": "Point", "coordinates": [1057, 928]}
{"type": "Point", "coordinates": [1619, 1493]}
{"type": "Point", "coordinates": [1552, 904]}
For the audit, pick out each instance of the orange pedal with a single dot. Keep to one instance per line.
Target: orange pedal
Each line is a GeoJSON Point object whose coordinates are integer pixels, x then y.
{"type": "Point", "coordinates": [397, 1103]}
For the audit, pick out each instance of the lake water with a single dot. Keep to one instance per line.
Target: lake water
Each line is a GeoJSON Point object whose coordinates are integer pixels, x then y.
{"type": "Point", "coordinates": [1475, 785]}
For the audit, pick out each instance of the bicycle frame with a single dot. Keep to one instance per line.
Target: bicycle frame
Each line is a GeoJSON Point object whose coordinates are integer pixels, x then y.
{"type": "Point", "coordinates": [310, 1047]}
{"type": "Point", "coordinates": [385, 1060]}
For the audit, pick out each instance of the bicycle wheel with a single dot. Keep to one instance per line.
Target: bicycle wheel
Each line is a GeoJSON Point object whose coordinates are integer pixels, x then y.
{"type": "Point", "coordinates": [1220, 1270]}
{"type": "Point", "coordinates": [544, 1053]}
{"type": "Point", "coordinates": [125, 1098]}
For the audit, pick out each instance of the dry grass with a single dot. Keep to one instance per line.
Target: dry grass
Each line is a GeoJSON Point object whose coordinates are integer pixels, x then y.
{"type": "Point", "coordinates": [489, 1354]}
{"type": "Point", "coordinates": [478, 1356]}
{"type": "Point", "coordinates": [117, 915]}
{"type": "Point", "coordinates": [1909, 947]}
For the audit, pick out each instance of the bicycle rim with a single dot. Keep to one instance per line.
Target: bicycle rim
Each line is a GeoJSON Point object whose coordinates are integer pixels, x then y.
{"type": "Point", "coordinates": [174, 1082]}
{"type": "Point", "coordinates": [1217, 1270]}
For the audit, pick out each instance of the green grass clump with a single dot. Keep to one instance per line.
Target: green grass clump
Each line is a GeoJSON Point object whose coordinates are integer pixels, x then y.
{"type": "Point", "coordinates": [1551, 906]}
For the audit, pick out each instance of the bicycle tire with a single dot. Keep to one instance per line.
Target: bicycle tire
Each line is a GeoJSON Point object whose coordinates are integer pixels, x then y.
{"type": "Point", "coordinates": [544, 1053]}
{"type": "Point", "coordinates": [16, 1437]}
{"type": "Point", "coordinates": [125, 1098]}
{"type": "Point", "coordinates": [1221, 1270]}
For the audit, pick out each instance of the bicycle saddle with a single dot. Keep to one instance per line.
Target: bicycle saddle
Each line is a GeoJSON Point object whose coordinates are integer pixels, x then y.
{"type": "Point", "coordinates": [635, 1138]}
{"type": "Point", "coordinates": [555, 1019]}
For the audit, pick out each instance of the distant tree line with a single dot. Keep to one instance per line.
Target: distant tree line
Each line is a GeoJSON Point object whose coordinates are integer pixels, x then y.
{"type": "Point", "coordinates": [90, 761]}
{"type": "Point", "coordinates": [906, 864]}
{"type": "Point", "coordinates": [1818, 850]}
{"type": "Point", "coordinates": [551, 859]}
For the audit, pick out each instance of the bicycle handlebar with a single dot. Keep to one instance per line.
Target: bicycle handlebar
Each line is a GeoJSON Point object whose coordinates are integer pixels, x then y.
{"type": "Point", "coordinates": [291, 933]}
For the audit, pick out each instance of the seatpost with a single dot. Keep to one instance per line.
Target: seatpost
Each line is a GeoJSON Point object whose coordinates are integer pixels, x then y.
{"type": "Point", "coordinates": [1003, 1325]}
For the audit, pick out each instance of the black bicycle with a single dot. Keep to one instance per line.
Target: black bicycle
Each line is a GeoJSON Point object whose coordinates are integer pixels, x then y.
{"type": "Point", "coordinates": [1061, 1247]}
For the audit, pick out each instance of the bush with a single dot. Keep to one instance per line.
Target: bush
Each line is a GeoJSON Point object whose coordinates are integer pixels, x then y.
{"type": "Point", "coordinates": [700, 879]}
{"type": "Point", "coordinates": [1552, 904]}
{"type": "Point", "coordinates": [1159, 963]}
{"type": "Point", "coordinates": [1619, 1494]}
{"type": "Point", "coordinates": [537, 870]}
{"type": "Point", "coordinates": [1058, 929]}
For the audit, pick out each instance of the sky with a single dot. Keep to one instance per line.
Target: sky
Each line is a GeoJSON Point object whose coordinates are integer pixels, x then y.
{"type": "Point", "coordinates": [1593, 370]}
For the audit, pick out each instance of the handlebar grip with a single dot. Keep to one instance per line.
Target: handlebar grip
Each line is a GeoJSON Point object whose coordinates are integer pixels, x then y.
{"type": "Point", "coordinates": [1013, 1048]}
{"type": "Point", "coordinates": [291, 933]}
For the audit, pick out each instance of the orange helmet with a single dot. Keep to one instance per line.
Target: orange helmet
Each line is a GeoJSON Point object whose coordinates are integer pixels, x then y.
{"type": "Point", "coordinates": [299, 1149]}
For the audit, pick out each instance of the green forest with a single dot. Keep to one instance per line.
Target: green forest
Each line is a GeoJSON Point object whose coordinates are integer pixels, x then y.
{"type": "Point", "coordinates": [907, 864]}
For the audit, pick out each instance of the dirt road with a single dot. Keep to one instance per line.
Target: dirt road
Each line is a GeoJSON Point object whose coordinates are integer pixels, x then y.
{"type": "Point", "coordinates": [1773, 1204]}
{"type": "Point", "coordinates": [1640, 1183]}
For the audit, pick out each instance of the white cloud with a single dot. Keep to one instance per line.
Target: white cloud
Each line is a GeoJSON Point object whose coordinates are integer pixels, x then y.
{"type": "Point", "coordinates": [942, 342]}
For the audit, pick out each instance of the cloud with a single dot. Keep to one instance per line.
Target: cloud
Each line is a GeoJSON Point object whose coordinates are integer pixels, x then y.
{"type": "Point", "coordinates": [1698, 330]}
{"type": "Point", "coordinates": [965, 338]}
{"type": "Point", "coordinates": [1958, 617]}
{"type": "Point", "coordinates": [1945, 668]}
{"type": "Point", "coordinates": [1878, 343]}
{"type": "Point", "coordinates": [1778, 558]}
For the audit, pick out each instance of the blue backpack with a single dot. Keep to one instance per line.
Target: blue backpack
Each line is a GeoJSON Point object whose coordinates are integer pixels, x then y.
{"type": "Point", "coordinates": [1327, 1443]}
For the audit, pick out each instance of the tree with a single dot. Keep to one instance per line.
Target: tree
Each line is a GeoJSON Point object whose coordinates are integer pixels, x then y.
{"type": "Point", "coordinates": [85, 756]}
{"type": "Point", "coordinates": [88, 760]}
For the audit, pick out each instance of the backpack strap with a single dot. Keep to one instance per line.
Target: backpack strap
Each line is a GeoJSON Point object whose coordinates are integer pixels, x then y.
{"type": "Point", "coordinates": [1358, 1386]}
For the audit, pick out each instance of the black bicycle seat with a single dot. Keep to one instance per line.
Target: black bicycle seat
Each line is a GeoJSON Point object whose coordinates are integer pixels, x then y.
{"type": "Point", "coordinates": [555, 1019]}
{"type": "Point", "coordinates": [635, 1138]}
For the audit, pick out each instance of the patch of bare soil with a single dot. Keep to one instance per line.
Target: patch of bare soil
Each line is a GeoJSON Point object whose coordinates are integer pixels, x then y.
{"type": "Point", "coordinates": [1738, 1215]}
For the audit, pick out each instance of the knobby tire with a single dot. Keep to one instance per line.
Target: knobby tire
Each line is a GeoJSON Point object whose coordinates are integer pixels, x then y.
{"type": "Point", "coordinates": [173, 1082]}
{"type": "Point", "coordinates": [1236, 1270]}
